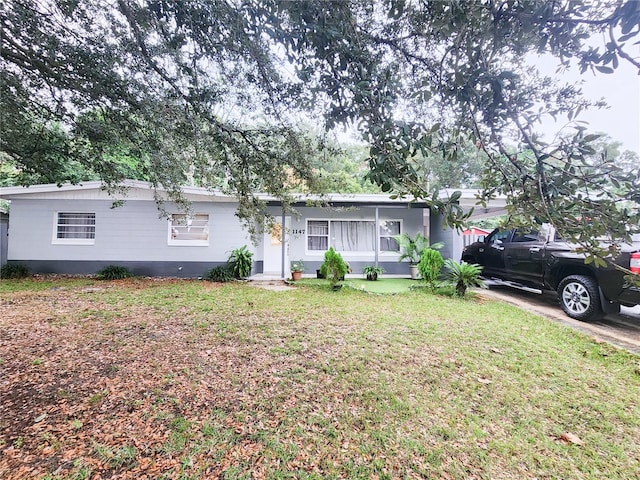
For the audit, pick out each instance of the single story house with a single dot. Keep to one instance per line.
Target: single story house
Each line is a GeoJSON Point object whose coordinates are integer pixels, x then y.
{"type": "Point", "coordinates": [76, 229]}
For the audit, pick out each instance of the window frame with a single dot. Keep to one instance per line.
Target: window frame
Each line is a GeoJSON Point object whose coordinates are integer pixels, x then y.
{"type": "Point", "coordinates": [172, 242]}
{"type": "Point", "coordinates": [380, 236]}
{"type": "Point", "coordinates": [56, 240]}
{"type": "Point", "coordinates": [384, 253]}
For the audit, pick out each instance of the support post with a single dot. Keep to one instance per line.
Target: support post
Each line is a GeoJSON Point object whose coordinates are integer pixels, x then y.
{"type": "Point", "coordinates": [284, 246]}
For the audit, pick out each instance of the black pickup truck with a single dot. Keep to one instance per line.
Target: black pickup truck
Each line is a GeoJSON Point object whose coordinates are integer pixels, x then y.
{"type": "Point", "coordinates": [541, 260]}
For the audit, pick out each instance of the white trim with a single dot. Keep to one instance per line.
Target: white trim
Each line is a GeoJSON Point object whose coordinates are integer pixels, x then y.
{"type": "Point", "coordinates": [363, 253]}
{"type": "Point", "coordinates": [188, 243]}
{"type": "Point", "coordinates": [55, 240]}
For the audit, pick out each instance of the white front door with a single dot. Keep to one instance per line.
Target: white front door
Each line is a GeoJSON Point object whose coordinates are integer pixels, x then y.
{"type": "Point", "coordinates": [273, 251]}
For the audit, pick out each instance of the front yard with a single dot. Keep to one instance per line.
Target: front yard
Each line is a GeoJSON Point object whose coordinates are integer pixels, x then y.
{"type": "Point", "coordinates": [193, 380]}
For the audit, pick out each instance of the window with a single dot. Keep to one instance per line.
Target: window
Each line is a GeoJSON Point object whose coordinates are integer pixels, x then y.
{"type": "Point", "coordinates": [318, 235]}
{"type": "Point", "coordinates": [75, 228]}
{"type": "Point", "coordinates": [189, 230]}
{"type": "Point", "coordinates": [525, 236]}
{"type": "Point", "coordinates": [499, 236]}
{"type": "Point", "coordinates": [352, 235]}
{"type": "Point", "coordinates": [388, 229]}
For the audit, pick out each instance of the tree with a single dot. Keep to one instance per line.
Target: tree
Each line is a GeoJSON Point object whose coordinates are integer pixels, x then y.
{"type": "Point", "coordinates": [212, 91]}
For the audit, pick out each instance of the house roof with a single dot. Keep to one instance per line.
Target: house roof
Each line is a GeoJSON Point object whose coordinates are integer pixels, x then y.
{"type": "Point", "coordinates": [139, 190]}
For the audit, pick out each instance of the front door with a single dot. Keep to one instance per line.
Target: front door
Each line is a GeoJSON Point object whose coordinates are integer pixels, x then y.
{"type": "Point", "coordinates": [273, 251]}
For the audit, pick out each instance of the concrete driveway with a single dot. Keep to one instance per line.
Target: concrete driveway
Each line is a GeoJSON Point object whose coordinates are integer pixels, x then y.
{"type": "Point", "coordinates": [622, 330]}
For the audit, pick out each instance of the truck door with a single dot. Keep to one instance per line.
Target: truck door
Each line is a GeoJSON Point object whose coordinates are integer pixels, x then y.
{"type": "Point", "coordinates": [523, 258]}
{"type": "Point", "coordinates": [492, 253]}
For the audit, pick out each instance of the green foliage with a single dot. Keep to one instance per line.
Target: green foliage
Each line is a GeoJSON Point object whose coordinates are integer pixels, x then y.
{"type": "Point", "coordinates": [333, 267]}
{"type": "Point", "coordinates": [241, 262]}
{"type": "Point", "coordinates": [113, 272]}
{"type": "Point", "coordinates": [297, 266]}
{"type": "Point", "coordinates": [220, 273]}
{"type": "Point", "coordinates": [14, 270]}
{"type": "Point", "coordinates": [430, 265]}
{"type": "Point", "coordinates": [412, 248]}
{"type": "Point", "coordinates": [463, 275]}
{"type": "Point", "coordinates": [372, 271]}
{"type": "Point", "coordinates": [125, 456]}
{"type": "Point", "coordinates": [145, 96]}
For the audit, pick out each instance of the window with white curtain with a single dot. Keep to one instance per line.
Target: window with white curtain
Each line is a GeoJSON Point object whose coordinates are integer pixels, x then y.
{"type": "Point", "coordinates": [318, 235]}
{"type": "Point", "coordinates": [75, 228]}
{"type": "Point", "coordinates": [189, 230]}
{"type": "Point", "coordinates": [352, 235]}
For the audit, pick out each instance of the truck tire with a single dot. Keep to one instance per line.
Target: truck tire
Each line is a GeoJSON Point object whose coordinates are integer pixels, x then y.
{"type": "Point", "coordinates": [579, 297]}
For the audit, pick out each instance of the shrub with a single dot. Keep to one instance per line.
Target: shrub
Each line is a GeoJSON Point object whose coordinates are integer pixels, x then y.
{"type": "Point", "coordinates": [241, 262]}
{"type": "Point", "coordinates": [463, 275]}
{"type": "Point", "coordinates": [334, 267]}
{"type": "Point", "coordinates": [14, 270]}
{"type": "Point", "coordinates": [430, 265]}
{"type": "Point", "coordinates": [372, 271]}
{"type": "Point", "coordinates": [114, 272]}
{"type": "Point", "coordinates": [412, 248]}
{"type": "Point", "coordinates": [221, 273]}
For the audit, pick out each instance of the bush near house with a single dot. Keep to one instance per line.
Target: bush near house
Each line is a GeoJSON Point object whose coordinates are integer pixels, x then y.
{"type": "Point", "coordinates": [333, 268]}
{"type": "Point", "coordinates": [114, 272]}
{"type": "Point", "coordinates": [430, 265]}
{"type": "Point", "coordinates": [14, 270]}
{"type": "Point", "coordinates": [221, 273]}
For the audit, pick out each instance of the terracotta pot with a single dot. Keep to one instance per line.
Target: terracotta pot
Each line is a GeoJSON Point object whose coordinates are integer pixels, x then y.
{"type": "Point", "coordinates": [296, 275]}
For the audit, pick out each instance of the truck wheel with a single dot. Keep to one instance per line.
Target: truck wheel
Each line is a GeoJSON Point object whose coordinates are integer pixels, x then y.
{"type": "Point", "coordinates": [579, 297]}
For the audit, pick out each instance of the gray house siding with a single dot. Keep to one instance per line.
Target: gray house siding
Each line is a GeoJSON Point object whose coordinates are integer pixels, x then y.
{"type": "Point", "coordinates": [132, 235]}
{"type": "Point", "coordinates": [4, 238]}
{"type": "Point", "coordinates": [452, 239]}
{"type": "Point", "coordinates": [411, 220]}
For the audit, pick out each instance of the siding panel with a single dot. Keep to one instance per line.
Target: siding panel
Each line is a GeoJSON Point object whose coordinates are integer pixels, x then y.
{"type": "Point", "coordinates": [133, 232]}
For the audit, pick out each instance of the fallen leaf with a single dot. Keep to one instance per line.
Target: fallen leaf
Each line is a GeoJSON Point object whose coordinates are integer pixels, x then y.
{"type": "Point", "coordinates": [495, 350]}
{"type": "Point", "coordinates": [47, 450]}
{"type": "Point", "coordinates": [485, 381]}
{"type": "Point", "coordinates": [571, 438]}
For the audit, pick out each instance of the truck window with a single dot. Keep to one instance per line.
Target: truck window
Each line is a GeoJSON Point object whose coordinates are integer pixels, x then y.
{"type": "Point", "coordinates": [525, 236]}
{"type": "Point", "coordinates": [499, 236]}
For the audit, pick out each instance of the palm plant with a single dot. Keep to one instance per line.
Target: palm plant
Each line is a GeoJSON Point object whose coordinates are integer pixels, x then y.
{"type": "Point", "coordinates": [412, 248]}
{"type": "Point", "coordinates": [241, 262]}
{"type": "Point", "coordinates": [463, 275]}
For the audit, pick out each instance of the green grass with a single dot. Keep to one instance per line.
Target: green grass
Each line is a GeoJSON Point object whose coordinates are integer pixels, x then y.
{"type": "Point", "coordinates": [226, 381]}
{"type": "Point", "coordinates": [380, 286]}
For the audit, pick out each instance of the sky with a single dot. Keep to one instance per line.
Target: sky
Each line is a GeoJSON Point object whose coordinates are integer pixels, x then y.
{"type": "Point", "coordinates": [621, 90]}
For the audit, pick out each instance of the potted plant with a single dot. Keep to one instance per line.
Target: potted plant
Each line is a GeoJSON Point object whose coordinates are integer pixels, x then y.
{"type": "Point", "coordinates": [412, 248]}
{"type": "Point", "coordinates": [333, 268]}
{"type": "Point", "coordinates": [297, 268]}
{"type": "Point", "coordinates": [372, 272]}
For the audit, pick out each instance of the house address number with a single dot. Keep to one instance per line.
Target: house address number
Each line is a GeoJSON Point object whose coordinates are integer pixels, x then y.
{"type": "Point", "coordinates": [297, 231]}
